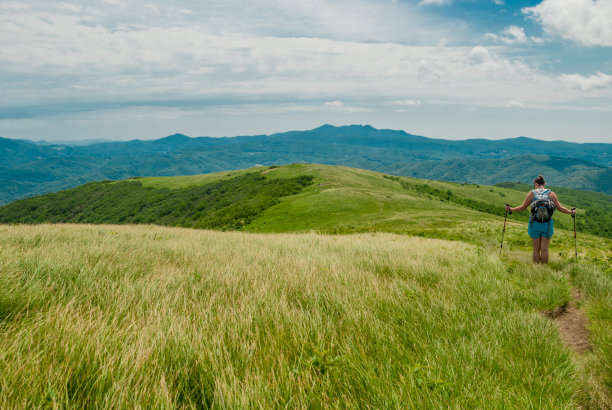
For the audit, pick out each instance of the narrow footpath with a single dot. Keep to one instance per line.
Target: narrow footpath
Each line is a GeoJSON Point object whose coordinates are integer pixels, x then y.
{"type": "Point", "coordinates": [572, 323]}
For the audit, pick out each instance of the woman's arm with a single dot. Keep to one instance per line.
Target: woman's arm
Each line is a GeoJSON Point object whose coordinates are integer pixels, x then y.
{"type": "Point", "coordinates": [553, 197]}
{"type": "Point", "coordinates": [525, 204]}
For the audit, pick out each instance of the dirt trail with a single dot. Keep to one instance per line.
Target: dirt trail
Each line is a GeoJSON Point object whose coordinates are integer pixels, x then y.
{"type": "Point", "coordinates": [572, 323]}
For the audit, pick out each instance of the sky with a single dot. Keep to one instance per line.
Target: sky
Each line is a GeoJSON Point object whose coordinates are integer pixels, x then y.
{"type": "Point", "coordinates": [454, 69]}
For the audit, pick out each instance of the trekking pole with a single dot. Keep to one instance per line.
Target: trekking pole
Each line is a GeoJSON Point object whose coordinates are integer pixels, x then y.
{"type": "Point", "coordinates": [504, 231]}
{"type": "Point", "coordinates": [575, 246]}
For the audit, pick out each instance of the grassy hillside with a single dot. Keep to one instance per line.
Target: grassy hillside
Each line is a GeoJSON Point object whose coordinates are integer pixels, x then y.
{"type": "Point", "coordinates": [295, 198]}
{"type": "Point", "coordinates": [154, 317]}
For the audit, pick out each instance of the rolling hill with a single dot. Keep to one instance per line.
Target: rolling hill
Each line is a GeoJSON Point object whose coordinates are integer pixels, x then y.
{"type": "Point", "coordinates": [28, 169]}
{"type": "Point", "coordinates": [297, 198]}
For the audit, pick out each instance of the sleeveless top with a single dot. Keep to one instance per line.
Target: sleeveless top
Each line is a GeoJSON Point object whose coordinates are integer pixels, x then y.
{"type": "Point", "coordinates": [540, 193]}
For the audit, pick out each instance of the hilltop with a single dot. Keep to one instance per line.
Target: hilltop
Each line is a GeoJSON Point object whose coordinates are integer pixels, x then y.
{"type": "Point", "coordinates": [28, 169]}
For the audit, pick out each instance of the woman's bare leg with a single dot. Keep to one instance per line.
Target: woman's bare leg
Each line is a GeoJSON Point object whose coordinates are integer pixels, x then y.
{"type": "Point", "coordinates": [536, 249]}
{"type": "Point", "coordinates": [544, 250]}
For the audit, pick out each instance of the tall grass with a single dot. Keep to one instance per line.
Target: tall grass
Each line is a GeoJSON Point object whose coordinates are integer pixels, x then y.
{"type": "Point", "coordinates": [126, 316]}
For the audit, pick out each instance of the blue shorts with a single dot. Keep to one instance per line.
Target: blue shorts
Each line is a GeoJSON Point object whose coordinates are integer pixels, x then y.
{"type": "Point", "coordinates": [541, 229]}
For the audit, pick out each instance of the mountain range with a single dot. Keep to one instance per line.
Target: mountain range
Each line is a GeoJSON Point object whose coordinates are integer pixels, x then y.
{"type": "Point", "coordinates": [28, 168]}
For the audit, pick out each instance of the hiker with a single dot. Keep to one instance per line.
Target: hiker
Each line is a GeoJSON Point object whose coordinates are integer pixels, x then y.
{"type": "Point", "coordinates": [541, 225]}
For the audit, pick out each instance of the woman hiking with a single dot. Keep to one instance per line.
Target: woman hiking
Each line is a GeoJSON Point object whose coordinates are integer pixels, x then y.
{"type": "Point", "coordinates": [540, 228]}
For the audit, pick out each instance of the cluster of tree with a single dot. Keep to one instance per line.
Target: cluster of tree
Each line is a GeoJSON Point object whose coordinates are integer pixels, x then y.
{"type": "Point", "coordinates": [227, 204]}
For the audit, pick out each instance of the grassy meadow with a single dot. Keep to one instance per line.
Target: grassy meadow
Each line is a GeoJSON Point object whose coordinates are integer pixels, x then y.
{"type": "Point", "coordinates": [155, 317]}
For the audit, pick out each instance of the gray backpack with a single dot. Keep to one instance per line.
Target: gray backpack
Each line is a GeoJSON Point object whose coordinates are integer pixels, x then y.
{"type": "Point", "coordinates": [542, 209]}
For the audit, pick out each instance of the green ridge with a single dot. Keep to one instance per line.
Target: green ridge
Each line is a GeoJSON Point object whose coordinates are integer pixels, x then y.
{"type": "Point", "coordinates": [304, 197]}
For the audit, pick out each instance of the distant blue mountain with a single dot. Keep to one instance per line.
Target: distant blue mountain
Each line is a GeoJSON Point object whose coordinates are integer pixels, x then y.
{"type": "Point", "coordinates": [27, 168]}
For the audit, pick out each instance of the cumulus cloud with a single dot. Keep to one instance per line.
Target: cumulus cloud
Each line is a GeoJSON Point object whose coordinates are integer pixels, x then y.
{"type": "Point", "coordinates": [586, 22]}
{"type": "Point", "coordinates": [479, 55]}
{"type": "Point", "coordinates": [596, 81]}
{"type": "Point", "coordinates": [514, 34]}
{"type": "Point", "coordinates": [511, 35]}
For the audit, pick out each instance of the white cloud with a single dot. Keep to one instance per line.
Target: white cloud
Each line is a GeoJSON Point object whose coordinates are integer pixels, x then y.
{"type": "Point", "coordinates": [499, 2]}
{"type": "Point", "coordinates": [586, 22]}
{"type": "Point", "coordinates": [511, 35]}
{"type": "Point", "coordinates": [435, 2]}
{"type": "Point", "coordinates": [13, 5]}
{"type": "Point", "coordinates": [136, 62]}
{"type": "Point", "coordinates": [348, 20]}
{"type": "Point", "coordinates": [413, 103]}
{"type": "Point", "coordinates": [515, 104]}
{"type": "Point", "coordinates": [69, 7]}
{"type": "Point", "coordinates": [52, 57]}
{"type": "Point", "coordinates": [342, 107]}
{"type": "Point", "coordinates": [479, 55]}
{"type": "Point", "coordinates": [514, 34]}
{"type": "Point", "coordinates": [597, 81]}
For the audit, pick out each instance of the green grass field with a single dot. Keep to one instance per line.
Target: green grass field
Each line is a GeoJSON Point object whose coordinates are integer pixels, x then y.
{"type": "Point", "coordinates": [356, 290]}
{"type": "Point", "coordinates": [125, 316]}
